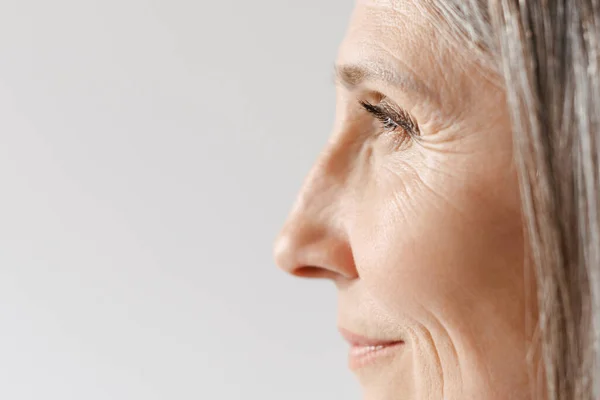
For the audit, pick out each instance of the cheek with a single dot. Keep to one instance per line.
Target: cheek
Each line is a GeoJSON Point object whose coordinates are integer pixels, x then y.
{"type": "Point", "coordinates": [440, 245]}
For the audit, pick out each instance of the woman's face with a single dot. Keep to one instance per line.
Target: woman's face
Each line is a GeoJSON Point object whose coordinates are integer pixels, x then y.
{"type": "Point", "coordinates": [413, 211]}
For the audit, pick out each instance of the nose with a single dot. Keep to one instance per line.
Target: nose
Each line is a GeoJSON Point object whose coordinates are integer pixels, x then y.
{"type": "Point", "coordinates": [314, 240]}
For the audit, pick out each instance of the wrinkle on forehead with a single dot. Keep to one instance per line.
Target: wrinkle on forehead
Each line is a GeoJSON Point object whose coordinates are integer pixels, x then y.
{"type": "Point", "coordinates": [449, 29]}
{"type": "Point", "coordinates": [398, 37]}
{"type": "Point", "coordinates": [413, 36]}
{"type": "Point", "coordinates": [407, 7]}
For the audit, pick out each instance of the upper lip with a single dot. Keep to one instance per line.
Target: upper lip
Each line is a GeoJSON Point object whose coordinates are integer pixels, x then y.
{"type": "Point", "coordinates": [358, 340]}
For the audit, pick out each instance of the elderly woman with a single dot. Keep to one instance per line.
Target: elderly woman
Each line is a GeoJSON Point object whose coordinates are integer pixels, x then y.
{"type": "Point", "coordinates": [456, 205]}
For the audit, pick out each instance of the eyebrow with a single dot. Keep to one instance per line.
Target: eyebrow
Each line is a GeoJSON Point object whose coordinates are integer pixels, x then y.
{"type": "Point", "coordinates": [352, 76]}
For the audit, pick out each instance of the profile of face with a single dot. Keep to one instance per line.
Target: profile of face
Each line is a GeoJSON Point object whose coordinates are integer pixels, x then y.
{"type": "Point", "coordinates": [413, 211]}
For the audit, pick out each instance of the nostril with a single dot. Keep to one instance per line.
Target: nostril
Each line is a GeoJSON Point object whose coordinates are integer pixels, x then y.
{"type": "Point", "coordinates": [313, 272]}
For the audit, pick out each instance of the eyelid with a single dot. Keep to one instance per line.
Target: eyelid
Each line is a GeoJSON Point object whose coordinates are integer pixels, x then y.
{"type": "Point", "coordinates": [384, 110]}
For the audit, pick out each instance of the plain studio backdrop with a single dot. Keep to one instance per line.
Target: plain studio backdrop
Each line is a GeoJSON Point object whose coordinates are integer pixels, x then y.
{"type": "Point", "coordinates": [149, 153]}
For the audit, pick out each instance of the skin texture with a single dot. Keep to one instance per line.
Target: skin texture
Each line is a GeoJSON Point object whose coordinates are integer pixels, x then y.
{"type": "Point", "coordinates": [422, 237]}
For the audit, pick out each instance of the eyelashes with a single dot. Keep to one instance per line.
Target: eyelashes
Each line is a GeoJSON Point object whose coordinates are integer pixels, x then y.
{"type": "Point", "coordinates": [393, 119]}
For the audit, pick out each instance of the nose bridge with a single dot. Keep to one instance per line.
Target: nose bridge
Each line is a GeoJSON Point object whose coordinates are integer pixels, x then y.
{"type": "Point", "coordinates": [322, 191]}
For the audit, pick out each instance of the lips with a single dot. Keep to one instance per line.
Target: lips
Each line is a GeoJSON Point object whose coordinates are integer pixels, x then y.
{"type": "Point", "coordinates": [365, 351]}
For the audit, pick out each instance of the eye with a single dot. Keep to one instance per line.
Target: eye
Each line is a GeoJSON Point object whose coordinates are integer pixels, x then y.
{"type": "Point", "coordinates": [392, 118]}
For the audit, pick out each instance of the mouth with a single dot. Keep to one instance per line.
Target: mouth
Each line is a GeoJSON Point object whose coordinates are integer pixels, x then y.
{"type": "Point", "coordinates": [366, 351]}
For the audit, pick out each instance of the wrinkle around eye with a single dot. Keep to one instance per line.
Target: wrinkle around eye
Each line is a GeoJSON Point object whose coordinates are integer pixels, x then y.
{"type": "Point", "coordinates": [411, 189]}
{"type": "Point", "coordinates": [401, 184]}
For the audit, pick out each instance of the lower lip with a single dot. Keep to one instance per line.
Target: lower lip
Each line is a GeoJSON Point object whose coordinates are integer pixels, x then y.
{"type": "Point", "coordinates": [362, 356]}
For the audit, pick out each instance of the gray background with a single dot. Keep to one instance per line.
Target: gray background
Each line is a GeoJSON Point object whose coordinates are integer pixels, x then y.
{"type": "Point", "coordinates": [149, 152]}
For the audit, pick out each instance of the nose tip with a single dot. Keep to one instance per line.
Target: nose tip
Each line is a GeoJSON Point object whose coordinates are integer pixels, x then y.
{"type": "Point", "coordinates": [282, 252]}
{"type": "Point", "coordinates": [291, 258]}
{"type": "Point", "coordinates": [306, 253]}
{"type": "Point", "coordinates": [286, 258]}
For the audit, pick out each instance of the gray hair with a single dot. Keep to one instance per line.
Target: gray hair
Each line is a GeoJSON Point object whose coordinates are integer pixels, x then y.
{"type": "Point", "coordinates": [546, 54]}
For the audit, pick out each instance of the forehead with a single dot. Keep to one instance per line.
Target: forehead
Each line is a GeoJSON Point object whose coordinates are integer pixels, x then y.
{"type": "Point", "coordinates": [407, 35]}
{"type": "Point", "coordinates": [398, 4]}
{"type": "Point", "coordinates": [396, 19]}
{"type": "Point", "coordinates": [389, 31]}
